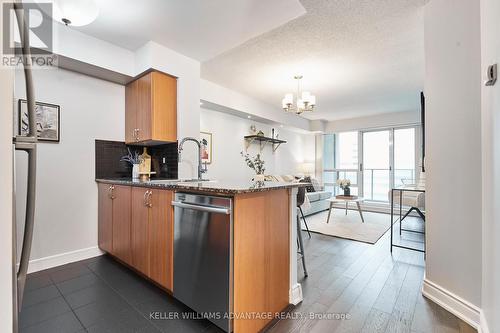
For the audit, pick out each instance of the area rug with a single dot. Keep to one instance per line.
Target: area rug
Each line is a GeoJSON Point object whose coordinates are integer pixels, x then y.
{"type": "Point", "coordinates": [350, 226]}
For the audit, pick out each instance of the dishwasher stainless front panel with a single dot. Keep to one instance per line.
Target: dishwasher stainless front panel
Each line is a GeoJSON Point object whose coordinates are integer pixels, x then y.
{"type": "Point", "coordinates": [203, 255]}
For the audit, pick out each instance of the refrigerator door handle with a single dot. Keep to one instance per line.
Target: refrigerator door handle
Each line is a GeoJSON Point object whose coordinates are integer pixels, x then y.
{"type": "Point", "coordinates": [27, 144]}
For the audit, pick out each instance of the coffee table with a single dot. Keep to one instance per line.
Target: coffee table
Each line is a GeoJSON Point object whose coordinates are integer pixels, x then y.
{"type": "Point", "coordinates": [357, 200]}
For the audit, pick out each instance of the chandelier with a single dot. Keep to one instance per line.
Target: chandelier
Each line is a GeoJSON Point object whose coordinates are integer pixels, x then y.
{"type": "Point", "coordinates": [303, 104]}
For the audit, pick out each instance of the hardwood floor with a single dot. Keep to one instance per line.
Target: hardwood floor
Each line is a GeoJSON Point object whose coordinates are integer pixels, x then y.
{"type": "Point", "coordinates": [376, 291]}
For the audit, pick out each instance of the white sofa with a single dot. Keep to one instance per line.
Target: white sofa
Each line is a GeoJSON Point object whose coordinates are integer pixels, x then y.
{"type": "Point", "coordinates": [317, 199]}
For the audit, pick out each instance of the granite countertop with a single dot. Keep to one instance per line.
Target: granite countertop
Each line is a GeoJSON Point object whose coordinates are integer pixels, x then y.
{"type": "Point", "coordinates": [214, 186]}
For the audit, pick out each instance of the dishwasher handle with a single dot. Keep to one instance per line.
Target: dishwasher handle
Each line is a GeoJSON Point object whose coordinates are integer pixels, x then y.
{"type": "Point", "coordinates": [208, 209]}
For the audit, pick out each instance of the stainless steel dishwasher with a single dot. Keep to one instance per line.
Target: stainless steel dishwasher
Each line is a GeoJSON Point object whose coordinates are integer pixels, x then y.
{"type": "Point", "coordinates": [203, 255]}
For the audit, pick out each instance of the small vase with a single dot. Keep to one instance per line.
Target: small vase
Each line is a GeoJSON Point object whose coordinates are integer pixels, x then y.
{"type": "Point", "coordinates": [259, 178]}
{"type": "Point", "coordinates": [347, 191]}
{"type": "Point", "coordinates": [135, 171]}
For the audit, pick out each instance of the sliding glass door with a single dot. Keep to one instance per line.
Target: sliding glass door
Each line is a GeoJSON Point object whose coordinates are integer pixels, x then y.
{"type": "Point", "coordinates": [404, 156]}
{"type": "Point", "coordinates": [375, 161]}
{"type": "Point", "coordinates": [376, 165]}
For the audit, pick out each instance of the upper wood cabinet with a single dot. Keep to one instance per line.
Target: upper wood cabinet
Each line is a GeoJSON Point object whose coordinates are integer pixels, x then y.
{"type": "Point", "coordinates": [151, 109]}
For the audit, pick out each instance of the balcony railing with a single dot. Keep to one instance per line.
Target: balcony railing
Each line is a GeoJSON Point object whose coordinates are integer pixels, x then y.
{"type": "Point", "coordinates": [376, 182]}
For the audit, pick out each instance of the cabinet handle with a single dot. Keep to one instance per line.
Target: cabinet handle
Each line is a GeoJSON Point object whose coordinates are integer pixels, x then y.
{"type": "Point", "coordinates": [144, 199]}
{"type": "Point", "coordinates": [149, 204]}
{"type": "Point", "coordinates": [110, 192]}
{"type": "Point", "coordinates": [136, 134]}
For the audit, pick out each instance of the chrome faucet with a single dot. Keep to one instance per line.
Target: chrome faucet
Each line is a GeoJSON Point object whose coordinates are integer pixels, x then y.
{"type": "Point", "coordinates": [201, 169]}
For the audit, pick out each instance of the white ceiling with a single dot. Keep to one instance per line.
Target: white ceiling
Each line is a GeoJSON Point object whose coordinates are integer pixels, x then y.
{"type": "Point", "coordinates": [359, 57]}
{"type": "Point", "coordinates": [199, 29]}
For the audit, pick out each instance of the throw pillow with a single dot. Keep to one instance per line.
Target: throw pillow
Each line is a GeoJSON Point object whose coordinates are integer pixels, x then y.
{"type": "Point", "coordinates": [309, 188]}
{"type": "Point", "coordinates": [316, 185]}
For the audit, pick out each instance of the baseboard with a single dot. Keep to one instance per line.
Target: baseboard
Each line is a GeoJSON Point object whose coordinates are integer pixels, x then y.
{"type": "Point", "coordinates": [483, 328]}
{"type": "Point", "coordinates": [63, 258]}
{"type": "Point", "coordinates": [458, 306]}
{"type": "Point", "coordinates": [295, 294]}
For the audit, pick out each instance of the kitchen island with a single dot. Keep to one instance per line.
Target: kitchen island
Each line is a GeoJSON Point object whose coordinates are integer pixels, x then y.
{"type": "Point", "coordinates": [138, 226]}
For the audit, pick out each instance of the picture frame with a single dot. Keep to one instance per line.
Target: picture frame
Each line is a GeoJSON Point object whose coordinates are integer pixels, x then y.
{"type": "Point", "coordinates": [206, 151]}
{"type": "Point", "coordinates": [48, 122]}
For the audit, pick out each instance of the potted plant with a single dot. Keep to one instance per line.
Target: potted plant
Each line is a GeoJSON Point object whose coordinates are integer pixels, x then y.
{"type": "Point", "coordinates": [345, 185]}
{"type": "Point", "coordinates": [255, 164]}
{"type": "Point", "coordinates": [134, 159]}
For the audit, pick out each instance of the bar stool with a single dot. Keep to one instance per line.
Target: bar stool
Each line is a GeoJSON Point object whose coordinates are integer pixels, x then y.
{"type": "Point", "coordinates": [301, 197]}
{"type": "Point", "coordinates": [300, 244]}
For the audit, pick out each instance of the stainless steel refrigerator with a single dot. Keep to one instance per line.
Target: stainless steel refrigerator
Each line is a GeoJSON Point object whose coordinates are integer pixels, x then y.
{"type": "Point", "coordinates": [28, 145]}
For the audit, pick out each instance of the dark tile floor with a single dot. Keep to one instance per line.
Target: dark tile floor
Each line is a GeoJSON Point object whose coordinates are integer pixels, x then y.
{"type": "Point", "coordinates": [99, 295]}
{"type": "Point", "coordinates": [380, 292]}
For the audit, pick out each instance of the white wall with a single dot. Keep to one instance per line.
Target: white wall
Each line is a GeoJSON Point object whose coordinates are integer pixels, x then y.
{"type": "Point", "coordinates": [6, 93]}
{"type": "Point", "coordinates": [490, 40]}
{"type": "Point", "coordinates": [453, 160]}
{"type": "Point", "coordinates": [227, 136]}
{"type": "Point", "coordinates": [153, 55]}
{"type": "Point", "coordinates": [66, 206]}
{"type": "Point", "coordinates": [377, 121]}
{"type": "Point", "coordinates": [220, 95]}
{"type": "Point", "coordinates": [77, 45]}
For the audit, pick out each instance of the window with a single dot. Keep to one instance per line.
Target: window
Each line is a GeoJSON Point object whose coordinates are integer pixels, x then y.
{"type": "Point", "coordinates": [341, 160]}
{"type": "Point", "coordinates": [404, 156]}
{"type": "Point", "coordinates": [374, 161]}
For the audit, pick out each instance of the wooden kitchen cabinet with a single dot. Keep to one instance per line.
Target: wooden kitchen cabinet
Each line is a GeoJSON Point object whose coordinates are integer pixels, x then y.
{"type": "Point", "coordinates": [136, 226]}
{"type": "Point", "coordinates": [114, 220]}
{"type": "Point", "coordinates": [152, 234]}
{"type": "Point", "coordinates": [151, 109]}
{"type": "Point", "coordinates": [105, 217]}
{"type": "Point", "coordinates": [121, 223]}
{"type": "Point", "coordinates": [140, 229]}
{"type": "Point", "coordinates": [161, 236]}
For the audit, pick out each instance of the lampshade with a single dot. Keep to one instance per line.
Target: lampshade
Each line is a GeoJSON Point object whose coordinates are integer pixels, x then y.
{"type": "Point", "coordinates": [312, 100]}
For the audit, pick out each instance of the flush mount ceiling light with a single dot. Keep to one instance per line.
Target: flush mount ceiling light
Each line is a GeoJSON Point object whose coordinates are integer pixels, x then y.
{"type": "Point", "coordinates": [75, 12]}
{"type": "Point", "coordinates": [306, 103]}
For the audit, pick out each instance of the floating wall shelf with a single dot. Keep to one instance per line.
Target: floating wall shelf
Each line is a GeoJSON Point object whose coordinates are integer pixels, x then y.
{"type": "Point", "coordinates": [262, 141]}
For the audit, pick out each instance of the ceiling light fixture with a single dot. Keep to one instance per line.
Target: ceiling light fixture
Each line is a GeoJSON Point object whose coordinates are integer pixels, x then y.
{"type": "Point", "coordinates": [76, 12]}
{"type": "Point", "coordinates": [307, 102]}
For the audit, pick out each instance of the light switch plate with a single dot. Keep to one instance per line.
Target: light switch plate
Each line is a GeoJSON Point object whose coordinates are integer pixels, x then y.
{"type": "Point", "coordinates": [492, 75]}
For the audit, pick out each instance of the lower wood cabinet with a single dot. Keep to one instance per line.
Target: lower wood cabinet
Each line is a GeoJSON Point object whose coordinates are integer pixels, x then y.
{"type": "Point", "coordinates": [121, 223]}
{"type": "Point", "coordinates": [140, 226]}
{"type": "Point", "coordinates": [105, 217]}
{"type": "Point", "coordinates": [161, 238]}
{"type": "Point", "coordinates": [136, 226]}
{"type": "Point", "coordinates": [114, 220]}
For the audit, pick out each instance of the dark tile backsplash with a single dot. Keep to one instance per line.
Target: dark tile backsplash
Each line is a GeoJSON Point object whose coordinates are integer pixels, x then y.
{"type": "Point", "coordinates": [164, 160]}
